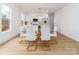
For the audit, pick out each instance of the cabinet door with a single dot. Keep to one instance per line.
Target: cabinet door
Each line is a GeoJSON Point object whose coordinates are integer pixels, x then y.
{"type": "Point", "coordinates": [45, 33]}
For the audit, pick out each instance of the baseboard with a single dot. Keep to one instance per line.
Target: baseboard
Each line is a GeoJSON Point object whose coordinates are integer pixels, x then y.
{"type": "Point", "coordinates": [54, 34]}
{"type": "Point", "coordinates": [10, 39]}
{"type": "Point", "coordinates": [68, 36]}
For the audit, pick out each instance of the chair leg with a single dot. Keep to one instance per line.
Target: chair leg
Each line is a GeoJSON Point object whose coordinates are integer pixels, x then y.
{"type": "Point", "coordinates": [23, 42]}
{"type": "Point", "coordinates": [30, 45]}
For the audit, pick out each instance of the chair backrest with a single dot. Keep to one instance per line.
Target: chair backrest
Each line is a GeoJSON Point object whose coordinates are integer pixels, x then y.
{"type": "Point", "coordinates": [45, 32]}
{"type": "Point", "coordinates": [31, 33]}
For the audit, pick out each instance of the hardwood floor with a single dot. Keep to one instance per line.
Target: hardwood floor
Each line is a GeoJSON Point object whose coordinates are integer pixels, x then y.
{"type": "Point", "coordinates": [64, 46]}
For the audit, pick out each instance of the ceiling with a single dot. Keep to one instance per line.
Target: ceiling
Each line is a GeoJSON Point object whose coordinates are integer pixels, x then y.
{"type": "Point", "coordinates": [33, 7]}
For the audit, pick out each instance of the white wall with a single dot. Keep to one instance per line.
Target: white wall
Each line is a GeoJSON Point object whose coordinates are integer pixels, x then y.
{"type": "Point", "coordinates": [15, 23]}
{"type": "Point", "coordinates": [51, 20]}
{"type": "Point", "coordinates": [68, 21]}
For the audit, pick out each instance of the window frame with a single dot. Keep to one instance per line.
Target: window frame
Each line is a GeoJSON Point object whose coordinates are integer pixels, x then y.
{"type": "Point", "coordinates": [9, 16]}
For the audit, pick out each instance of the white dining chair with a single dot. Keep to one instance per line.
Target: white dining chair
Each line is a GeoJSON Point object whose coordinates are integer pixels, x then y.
{"type": "Point", "coordinates": [30, 35]}
{"type": "Point", "coordinates": [45, 33]}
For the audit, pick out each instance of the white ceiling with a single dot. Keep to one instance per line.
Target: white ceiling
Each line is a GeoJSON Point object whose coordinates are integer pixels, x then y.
{"type": "Point", "coordinates": [50, 7]}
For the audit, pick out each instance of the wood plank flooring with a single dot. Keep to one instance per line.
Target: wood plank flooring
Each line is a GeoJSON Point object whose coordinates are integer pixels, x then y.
{"type": "Point", "coordinates": [64, 46]}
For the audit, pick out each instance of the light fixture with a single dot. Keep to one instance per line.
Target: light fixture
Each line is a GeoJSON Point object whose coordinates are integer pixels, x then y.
{"type": "Point", "coordinates": [42, 10]}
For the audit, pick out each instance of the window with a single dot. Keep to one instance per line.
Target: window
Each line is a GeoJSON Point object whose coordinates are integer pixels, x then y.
{"type": "Point", "coordinates": [5, 16]}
